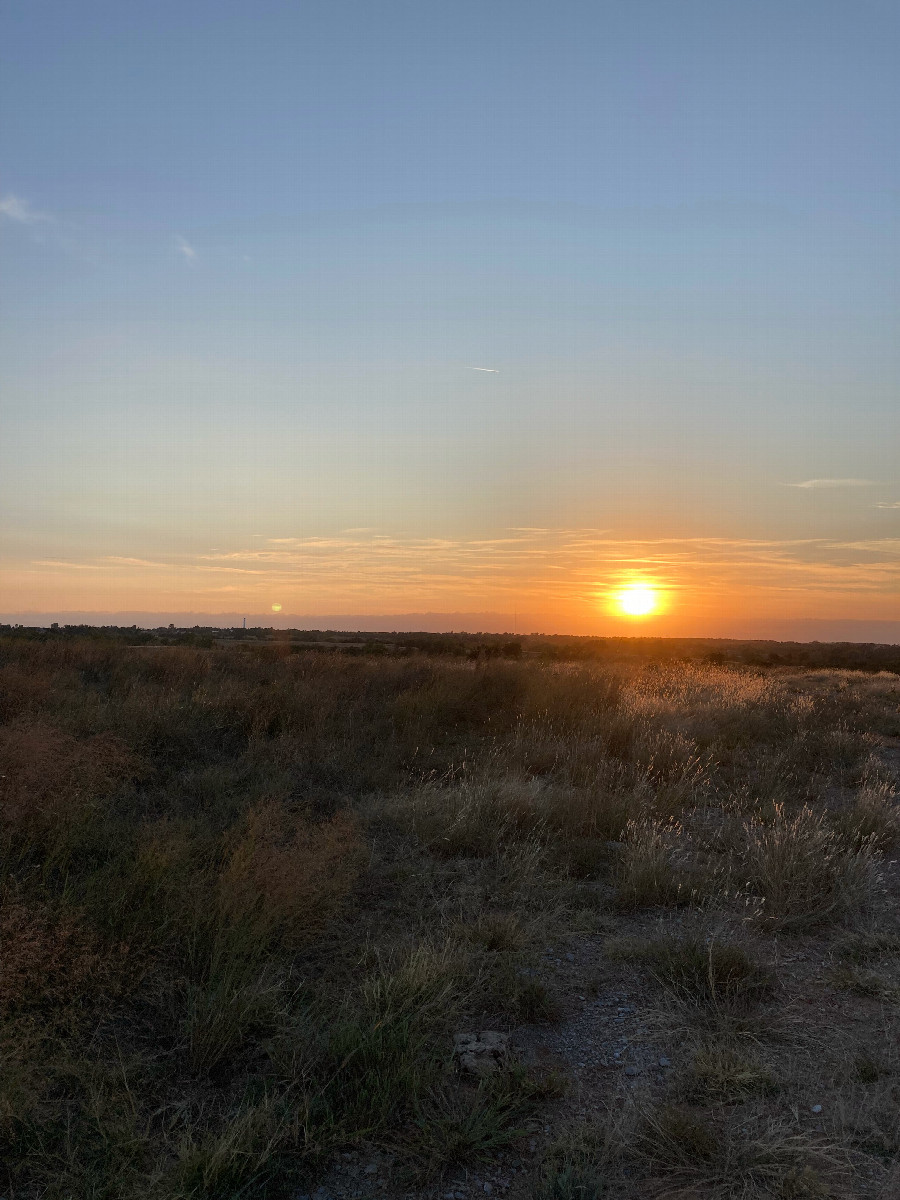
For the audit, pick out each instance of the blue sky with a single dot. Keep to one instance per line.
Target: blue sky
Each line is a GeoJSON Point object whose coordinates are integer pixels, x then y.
{"type": "Point", "coordinates": [251, 251]}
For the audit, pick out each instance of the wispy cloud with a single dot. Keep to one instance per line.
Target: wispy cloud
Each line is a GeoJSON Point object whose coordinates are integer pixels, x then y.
{"type": "Point", "coordinates": [133, 562]}
{"type": "Point", "coordinates": [888, 504]}
{"type": "Point", "coordinates": [65, 565]}
{"type": "Point", "coordinates": [15, 208]}
{"type": "Point", "coordinates": [186, 249]}
{"type": "Point", "coordinates": [566, 570]}
{"type": "Point", "coordinates": [833, 483]}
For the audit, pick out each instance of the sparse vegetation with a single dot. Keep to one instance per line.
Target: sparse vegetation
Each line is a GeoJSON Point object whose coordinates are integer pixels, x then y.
{"type": "Point", "coordinates": [249, 893]}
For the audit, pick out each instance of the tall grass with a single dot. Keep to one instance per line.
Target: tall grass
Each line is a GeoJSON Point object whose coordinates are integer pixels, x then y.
{"type": "Point", "coordinates": [246, 898]}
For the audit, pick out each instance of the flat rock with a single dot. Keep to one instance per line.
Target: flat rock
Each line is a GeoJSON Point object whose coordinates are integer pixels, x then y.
{"type": "Point", "coordinates": [481, 1053]}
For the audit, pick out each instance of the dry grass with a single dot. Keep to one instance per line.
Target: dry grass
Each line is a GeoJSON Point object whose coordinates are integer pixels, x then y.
{"type": "Point", "coordinates": [690, 1155]}
{"type": "Point", "coordinates": [802, 872]}
{"type": "Point", "coordinates": [247, 898]}
{"type": "Point", "coordinates": [288, 876]}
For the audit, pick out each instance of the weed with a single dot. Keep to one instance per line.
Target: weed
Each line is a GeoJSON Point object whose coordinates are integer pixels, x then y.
{"type": "Point", "coordinates": [866, 946]}
{"type": "Point", "coordinates": [454, 1123]}
{"type": "Point", "coordinates": [497, 931]}
{"type": "Point", "coordinates": [570, 1174]}
{"type": "Point", "coordinates": [233, 1160]}
{"type": "Point", "coordinates": [861, 983]}
{"type": "Point", "coordinates": [647, 874]}
{"type": "Point", "coordinates": [287, 876]}
{"type": "Point", "coordinates": [224, 1008]}
{"type": "Point", "coordinates": [872, 822]}
{"type": "Point", "coordinates": [724, 1073]}
{"type": "Point", "coordinates": [802, 872]}
{"type": "Point", "coordinates": [687, 1154]}
{"type": "Point", "coordinates": [703, 972]}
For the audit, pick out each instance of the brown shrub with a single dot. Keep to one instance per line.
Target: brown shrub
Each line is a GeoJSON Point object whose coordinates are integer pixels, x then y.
{"type": "Point", "coordinates": [21, 689]}
{"type": "Point", "coordinates": [47, 775]}
{"type": "Point", "coordinates": [52, 961]}
{"type": "Point", "coordinates": [174, 666]}
{"type": "Point", "coordinates": [288, 875]}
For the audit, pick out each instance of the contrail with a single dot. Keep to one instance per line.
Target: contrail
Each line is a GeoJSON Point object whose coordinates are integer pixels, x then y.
{"type": "Point", "coordinates": [490, 370]}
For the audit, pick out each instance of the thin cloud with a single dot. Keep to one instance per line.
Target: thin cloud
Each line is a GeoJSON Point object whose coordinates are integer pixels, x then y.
{"type": "Point", "coordinates": [14, 208]}
{"type": "Point", "coordinates": [133, 562]}
{"type": "Point", "coordinates": [58, 562]}
{"type": "Point", "coordinates": [888, 504]}
{"type": "Point", "coordinates": [489, 370]}
{"type": "Point", "coordinates": [186, 249]}
{"type": "Point", "coordinates": [833, 483]}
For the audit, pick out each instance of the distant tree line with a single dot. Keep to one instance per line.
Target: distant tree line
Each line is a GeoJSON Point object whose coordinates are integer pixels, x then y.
{"type": "Point", "coordinates": [475, 647]}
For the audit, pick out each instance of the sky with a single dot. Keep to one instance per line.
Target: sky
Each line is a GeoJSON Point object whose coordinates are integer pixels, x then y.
{"type": "Point", "coordinates": [252, 253]}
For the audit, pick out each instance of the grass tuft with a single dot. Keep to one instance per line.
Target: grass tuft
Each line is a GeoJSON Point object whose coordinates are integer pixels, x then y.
{"type": "Point", "coordinates": [802, 872]}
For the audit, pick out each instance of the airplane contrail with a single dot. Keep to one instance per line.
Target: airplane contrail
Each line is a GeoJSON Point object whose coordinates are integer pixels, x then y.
{"type": "Point", "coordinates": [490, 370]}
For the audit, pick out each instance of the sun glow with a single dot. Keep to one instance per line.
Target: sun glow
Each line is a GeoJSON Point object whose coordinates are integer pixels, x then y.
{"type": "Point", "coordinates": [637, 600]}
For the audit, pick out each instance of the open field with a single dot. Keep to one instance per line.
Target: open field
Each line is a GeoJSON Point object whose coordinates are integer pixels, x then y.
{"type": "Point", "coordinates": [251, 894]}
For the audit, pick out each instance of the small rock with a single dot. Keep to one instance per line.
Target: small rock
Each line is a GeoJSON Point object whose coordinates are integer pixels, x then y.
{"type": "Point", "coordinates": [488, 1187]}
{"type": "Point", "coordinates": [372, 1169]}
{"type": "Point", "coordinates": [570, 956]}
{"type": "Point", "coordinates": [665, 1062]}
{"type": "Point", "coordinates": [816, 1108]}
{"type": "Point", "coordinates": [480, 1053]}
{"type": "Point", "coordinates": [632, 1071]}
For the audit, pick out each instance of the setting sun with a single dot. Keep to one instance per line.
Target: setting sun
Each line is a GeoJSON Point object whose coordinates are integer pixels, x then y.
{"type": "Point", "coordinates": [637, 601]}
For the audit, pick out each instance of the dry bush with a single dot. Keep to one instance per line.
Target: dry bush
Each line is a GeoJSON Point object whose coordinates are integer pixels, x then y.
{"type": "Point", "coordinates": [497, 931]}
{"type": "Point", "coordinates": [458, 696]}
{"type": "Point", "coordinates": [692, 1157]}
{"type": "Point", "coordinates": [472, 819]}
{"type": "Point", "coordinates": [236, 996]}
{"type": "Point", "coordinates": [289, 876]}
{"type": "Point", "coordinates": [801, 872]}
{"type": "Point", "coordinates": [171, 666]}
{"type": "Point", "coordinates": [230, 1159]}
{"type": "Point", "coordinates": [22, 689]}
{"type": "Point", "coordinates": [723, 1073]}
{"type": "Point", "coordinates": [867, 945]}
{"type": "Point", "coordinates": [515, 777]}
{"type": "Point", "coordinates": [590, 813]}
{"type": "Point", "coordinates": [573, 699]}
{"type": "Point", "coordinates": [488, 818]}
{"type": "Point", "coordinates": [647, 873]}
{"type": "Point", "coordinates": [51, 961]}
{"type": "Point", "coordinates": [48, 777]}
{"type": "Point", "coordinates": [702, 972]}
{"type": "Point", "coordinates": [873, 820]}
